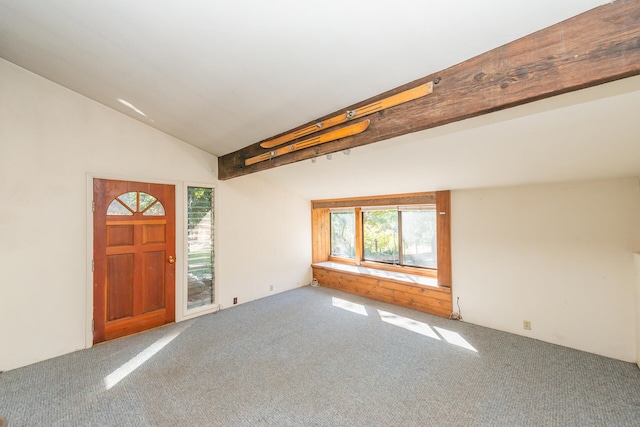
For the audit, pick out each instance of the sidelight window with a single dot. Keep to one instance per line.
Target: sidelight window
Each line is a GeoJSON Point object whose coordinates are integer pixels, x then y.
{"type": "Point", "coordinates": [200, 247]}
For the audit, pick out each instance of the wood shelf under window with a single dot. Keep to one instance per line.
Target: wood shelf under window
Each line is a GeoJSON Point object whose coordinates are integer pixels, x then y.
{"type": "Point", "coordinates": [415, 292]}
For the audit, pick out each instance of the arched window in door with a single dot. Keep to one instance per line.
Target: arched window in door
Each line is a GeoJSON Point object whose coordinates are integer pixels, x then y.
{"type": "Point", "coordinates": [135, 202]}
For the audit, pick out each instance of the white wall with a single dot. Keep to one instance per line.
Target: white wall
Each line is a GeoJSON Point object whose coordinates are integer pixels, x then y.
{"type": "Point", "coordinates": [51, 140]}
{"type": "Point", "coordinates": [637, 260]}
{"type": "Point", "coordinates": [266, 240]}
{"type": "Point", "coordinates": [558, 255]}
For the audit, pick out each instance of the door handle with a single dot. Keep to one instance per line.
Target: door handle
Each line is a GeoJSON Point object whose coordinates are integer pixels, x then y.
{"type": "Point", "coordinates": [171, 259]}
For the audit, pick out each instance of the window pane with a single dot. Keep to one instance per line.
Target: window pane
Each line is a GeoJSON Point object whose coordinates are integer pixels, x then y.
{"type": "Point", "coordinates": [117, 208]}
{"type": "Point", "coordinates": [130, 199]}
{"type": "Point", "coordinates": [419, 238]}
{"type": "Point", "coordinates": [380, 234]}
{"type": "Point", "coordinates": [155, 210]}
{"type": "Point", "coordinates": [146, 200]}
{"type": "Point", "coordinates": [200, 220]}
{"type": "Point", "coordinates": [343, 234]}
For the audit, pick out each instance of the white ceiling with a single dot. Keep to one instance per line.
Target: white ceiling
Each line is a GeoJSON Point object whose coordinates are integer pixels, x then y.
{"type": "Point", "coordinates": [222, 75]}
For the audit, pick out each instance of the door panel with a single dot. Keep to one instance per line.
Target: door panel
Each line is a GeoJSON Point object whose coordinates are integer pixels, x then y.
{"type": "Point", "coordinates": [120, 235]}
{"type": "Point", "coordinates": [134, 254]}
{"type": "Point", "coordinates": [120, 289]}
{"type": "Point", "coordinates": [152, 280]}
{"type": "Point", "coordinates": [153, 233]}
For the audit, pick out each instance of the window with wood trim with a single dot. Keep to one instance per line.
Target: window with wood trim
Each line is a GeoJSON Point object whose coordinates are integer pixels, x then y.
{"type": "Point", "coordinates": [343, 232]}
{"type": "Point", "coordinates": [406, 232]}
{"type": "Point", "coordinates": [402, 235]}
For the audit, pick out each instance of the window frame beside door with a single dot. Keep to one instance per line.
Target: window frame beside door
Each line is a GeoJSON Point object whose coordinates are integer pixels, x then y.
{"type": "Point", "coordinates": [213, 306]}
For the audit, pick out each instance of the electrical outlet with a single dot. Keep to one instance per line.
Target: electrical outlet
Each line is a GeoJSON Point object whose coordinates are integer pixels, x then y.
{"type": "Point", "coordinates": [270, 287]}
{"type": "Point", "coordinates": [235, 300]}
{"type": "Point", "coordinates": [526, 324]}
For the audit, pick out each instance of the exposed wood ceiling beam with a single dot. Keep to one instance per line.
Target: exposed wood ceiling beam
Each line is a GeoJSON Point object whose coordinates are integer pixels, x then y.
{"type": "Point", "coordinates": [596, 47]}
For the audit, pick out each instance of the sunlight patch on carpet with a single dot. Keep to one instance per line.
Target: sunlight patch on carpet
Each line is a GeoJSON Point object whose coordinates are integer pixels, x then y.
{"type": "Point", "coordinates": [408, 324]}
{"type": "Point", "coordinates": [349, 306]}
{"type": "Point", "coordinates": [421, 328]}
{"type": "Point", "coordinates": [454, 338]}
{"type": "Point", "coordinates": [123, 371]}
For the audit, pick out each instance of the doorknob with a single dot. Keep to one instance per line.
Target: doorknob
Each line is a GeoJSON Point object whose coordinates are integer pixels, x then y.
{"type": "Point", "coordinates": [171, 259]}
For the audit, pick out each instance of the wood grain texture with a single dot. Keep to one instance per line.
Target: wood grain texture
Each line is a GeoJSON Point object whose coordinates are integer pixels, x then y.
{"type": "Point", "coordinates": [153, 233]}
{"type": "Point", "coordinates": [437, 301]}
{"type": "Point", "coordinates": [359, 235]}
{"type": "Point", "coordinates": [397, 99]}
{"type": "Point", "coordinates": [333, 135]}
{"type": "Point", "coordinates": [123, 327]}
{"type": "Point", "coordinates": [598, 46]}
{"type": "Point", "coordinates": [120, 275]}
{"type": "Point", "coordinates": [443, 233]}
{"type": "Point", "coordinates": [320, 235]}
{"type": "Point", "coordinates": [120, 235]}
{"type": "Point", "coordinates": [153, 281]}
{"type": "Point", "coordinates": [425, 198]}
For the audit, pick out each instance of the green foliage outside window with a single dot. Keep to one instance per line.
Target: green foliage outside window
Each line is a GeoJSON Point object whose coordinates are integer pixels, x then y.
{"type": "Point", "coordinates": [381, 236]}
{"type": "Point", "coordinates": [419, 238]}
{"type": "Point", "coordinates": [400, 236]}
{"type": "Point", "coordinates": [343, 234]}
{"type": "Point", "coordinates": [200, 248]}
{"type": "Point", "coordinates": [405, 237]}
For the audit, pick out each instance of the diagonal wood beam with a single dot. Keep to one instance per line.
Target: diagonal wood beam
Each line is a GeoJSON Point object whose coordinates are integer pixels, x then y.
{"type": "Point", "coordinates": [598, 46]}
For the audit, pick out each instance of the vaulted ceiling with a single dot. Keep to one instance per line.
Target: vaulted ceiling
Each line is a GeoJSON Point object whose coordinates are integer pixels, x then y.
{"type": "Point", "coordinates": [222, 75]}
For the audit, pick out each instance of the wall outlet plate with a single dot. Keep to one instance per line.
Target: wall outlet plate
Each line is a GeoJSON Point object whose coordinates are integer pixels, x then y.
{"type": "Point", "coordinates": [526, 324]}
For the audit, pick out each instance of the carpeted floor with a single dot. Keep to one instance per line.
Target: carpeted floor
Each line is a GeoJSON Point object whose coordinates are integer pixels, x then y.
{"type": "Point", "coordinates": [318, 357]}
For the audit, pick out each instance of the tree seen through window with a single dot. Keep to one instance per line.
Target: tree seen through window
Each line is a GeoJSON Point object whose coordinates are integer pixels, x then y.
{"type": "Point", "coordinates": [343, 234]}
{"type": "Point", "coordinates": [403, 235]}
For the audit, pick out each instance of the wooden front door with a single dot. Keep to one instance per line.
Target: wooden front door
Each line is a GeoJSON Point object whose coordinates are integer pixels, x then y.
{"type": "Point", "coordinates": [134, 257]}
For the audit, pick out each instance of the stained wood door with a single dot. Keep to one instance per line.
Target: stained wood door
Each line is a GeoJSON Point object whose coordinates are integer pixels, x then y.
{"type": "Point", "coordinates": [134, 257]}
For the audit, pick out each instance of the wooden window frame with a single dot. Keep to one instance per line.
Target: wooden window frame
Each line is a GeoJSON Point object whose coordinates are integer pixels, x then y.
{"type": "Point", "coordinates": [321, 231]}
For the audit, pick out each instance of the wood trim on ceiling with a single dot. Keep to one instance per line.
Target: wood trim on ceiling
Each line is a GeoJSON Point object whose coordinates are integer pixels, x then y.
{"type": "Point", "coordinates": [427, 198]}
{"type": "Point", "coordinates": [595, 47]}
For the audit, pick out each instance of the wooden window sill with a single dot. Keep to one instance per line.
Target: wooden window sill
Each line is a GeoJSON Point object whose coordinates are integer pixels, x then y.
{"type": "Point", "coordinates": [402, 269]}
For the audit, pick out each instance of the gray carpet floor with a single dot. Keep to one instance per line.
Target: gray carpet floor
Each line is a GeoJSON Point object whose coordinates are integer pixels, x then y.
{"type": "Point", "coordinates": [317, 357]}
